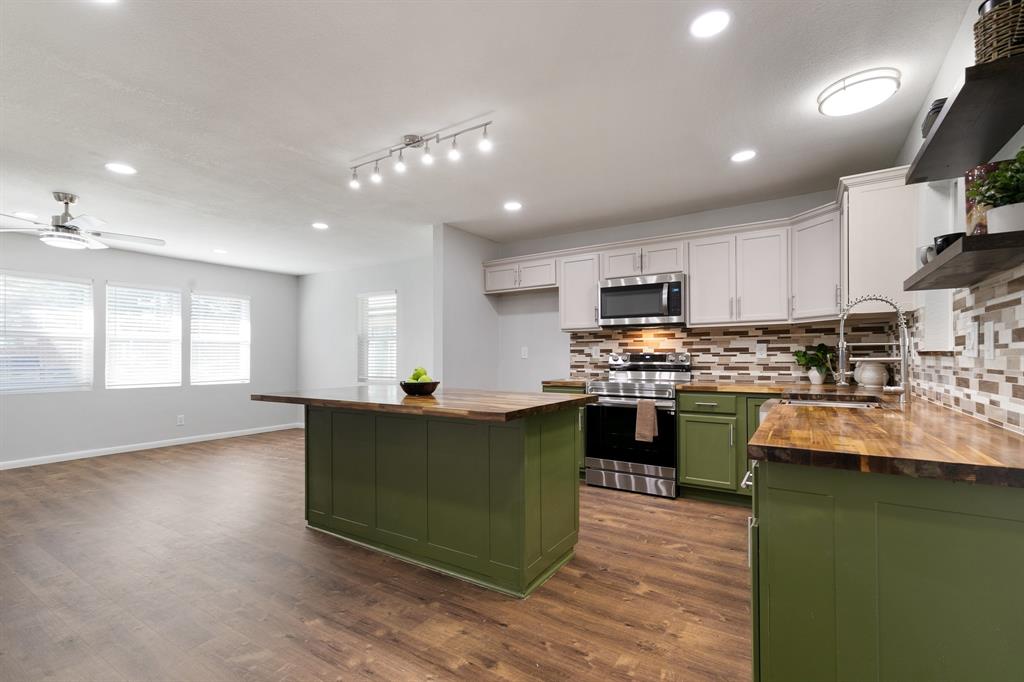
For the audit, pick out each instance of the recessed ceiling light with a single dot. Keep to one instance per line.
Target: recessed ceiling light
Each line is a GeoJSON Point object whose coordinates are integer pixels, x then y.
{"type": "Point", "coordinates": [859, 92]}
{"type": "Point", "coordinates": [743, 155]}
{"type": "Point", "coordinates": [512, 206]}
{"type": "Point", "coordinates": [122, 168]}
{"type": "Point", "coordinates": [320, 226]}
{"type": "Point", "coordinates": [709, 24]}
{"type": "Point", "coordinates": [25, 215]}
{"type": "Point", "coordinates": [220, 251]}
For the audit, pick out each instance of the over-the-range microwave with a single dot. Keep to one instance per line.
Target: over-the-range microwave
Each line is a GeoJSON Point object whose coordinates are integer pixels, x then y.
{"type": "Point", "coordinates": [644, 300]}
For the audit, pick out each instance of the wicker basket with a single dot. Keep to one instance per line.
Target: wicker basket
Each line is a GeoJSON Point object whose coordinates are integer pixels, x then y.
{"type": "Point", "coordinates": [1000, 32]}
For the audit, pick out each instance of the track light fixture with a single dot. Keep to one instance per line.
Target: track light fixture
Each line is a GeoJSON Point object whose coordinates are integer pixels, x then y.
{"type": "Point", "coordinates": [417, 142]}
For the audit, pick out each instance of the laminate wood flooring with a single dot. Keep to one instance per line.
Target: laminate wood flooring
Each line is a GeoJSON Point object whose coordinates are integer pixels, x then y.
{"type": "Point", "coordinates": [193, 562]}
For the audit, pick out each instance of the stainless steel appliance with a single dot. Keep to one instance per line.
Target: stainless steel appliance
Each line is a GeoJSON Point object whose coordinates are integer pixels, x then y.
{"type": "Point", "coordinates": [615, 459]}
{"type": "Point", "coordinates": [643, 300]}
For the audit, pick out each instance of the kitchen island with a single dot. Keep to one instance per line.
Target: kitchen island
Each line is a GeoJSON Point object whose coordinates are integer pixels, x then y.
{"type": "Point", "coordinates": [886, 544]}
{"type": "Point", "coordinates": [480, 485]}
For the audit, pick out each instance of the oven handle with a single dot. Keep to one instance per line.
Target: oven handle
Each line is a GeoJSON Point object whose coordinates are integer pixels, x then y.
{"type": "Point", "coordinates": [613, 401]}
{"type": "Point", "coordinates": [664, 298]}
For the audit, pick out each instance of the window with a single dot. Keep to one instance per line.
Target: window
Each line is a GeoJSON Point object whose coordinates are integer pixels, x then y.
{"type": "Point", "coordinates": [378, 336]}
{"type": "Point", "coordinates": [45, 334]}
{"type": "Point", "coordinates": [220, 340]}
{"type": "Point", "coordinates": [143, 337]}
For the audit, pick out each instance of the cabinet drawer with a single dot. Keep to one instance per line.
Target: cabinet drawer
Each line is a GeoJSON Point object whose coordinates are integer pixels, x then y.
{"type": "Point", "coordinates": [716, 403]}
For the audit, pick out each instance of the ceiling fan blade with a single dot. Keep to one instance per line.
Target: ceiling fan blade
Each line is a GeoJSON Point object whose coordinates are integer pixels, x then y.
{"type": "Point", "coordinates": [127, 238]}
{"type": "Point", "coordinates": [26, 230]}
{"type": "Point", "coordinates": [86, 222]}
{"type": "Point", "coordinates": [95, 244]}
{"type": "Point", "coordinates": [27, 220]}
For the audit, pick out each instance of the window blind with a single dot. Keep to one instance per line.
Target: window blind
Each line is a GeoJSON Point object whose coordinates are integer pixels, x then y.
{"type": "Point", "coordinates": [143, 337]}
{"type": "Point", "coordinates": [46, 334]}
{"type": "Point", "coordinates": [378, 336]}
{"type": "Point", "coordinates": [219, 340]}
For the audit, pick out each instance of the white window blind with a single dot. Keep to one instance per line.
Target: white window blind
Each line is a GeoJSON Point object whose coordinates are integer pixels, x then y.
{"type": "Point", "coordinates": [46, 332]}
{"type": "Point", "coordinates": [378, 336]}
{"type": "Point", "coordinates": [220, 340]}
{"type": "Point", "coordinates": [143, 337]}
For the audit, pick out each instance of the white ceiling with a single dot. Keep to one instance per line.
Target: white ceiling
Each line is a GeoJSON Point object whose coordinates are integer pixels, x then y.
{"type": "Point", "coordinates": [242, 117]}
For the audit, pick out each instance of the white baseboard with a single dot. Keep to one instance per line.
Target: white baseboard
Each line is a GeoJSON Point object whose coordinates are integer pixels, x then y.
{"type": "Point", "coordinates": [98, 452]}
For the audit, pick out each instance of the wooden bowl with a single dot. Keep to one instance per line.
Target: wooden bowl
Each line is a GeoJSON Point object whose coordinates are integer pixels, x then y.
{"type": "Point", "coordinates": [419, 387]}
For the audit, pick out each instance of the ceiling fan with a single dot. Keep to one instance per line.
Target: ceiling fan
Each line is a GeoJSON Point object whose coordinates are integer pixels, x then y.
{"type": "Point", "coordinates": [68, 232]}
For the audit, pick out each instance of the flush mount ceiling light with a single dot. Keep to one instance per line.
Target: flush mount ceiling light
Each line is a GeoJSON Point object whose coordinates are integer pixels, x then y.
{"type": "Point", "coordinates": [859, 92]}
{"type": "Point", "coordinates": [320, 226]}
{"type": "Point", "coordinates": [512, 206]}
{"type": "Point", "coordinates": [120, 168]}
{"type": "Point", "coordinates": [417, 142]}
{"type": "Point", "coordinates": [709, 24]}
{"type": "Point", "coordinates": [743, 155]}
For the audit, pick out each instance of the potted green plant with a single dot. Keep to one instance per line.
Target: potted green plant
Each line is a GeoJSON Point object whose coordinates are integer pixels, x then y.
{"type": "Point", "coordinates": [1002, 191]}
{"type": "Point", "coordinates": [817, 360]}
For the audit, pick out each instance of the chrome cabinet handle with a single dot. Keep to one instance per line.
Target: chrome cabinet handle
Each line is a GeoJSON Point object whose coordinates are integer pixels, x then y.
{"type": "Point", "coordinates": [595, 314]}
{"type": "Point", "coordinates": [636, 268]}
{"type": "Point", "coordinates": [730, 307]}
{"type": "Point", "coordinates": [732, 435]}
{"type": "Point", "coordinates": [739, 300]}
{"type": "Point", "coordinates": [839, 300]}
{"type": "Point", "coordinates": [706, 404]}
{"type": "Point", "coordinates": [748, 480]}
{"type": "Point", "coordinates": [751, 522]}
{"type": "Point", "coordinates": [579, 419]}
{"type": "Point", "coordinates": [792, 304]}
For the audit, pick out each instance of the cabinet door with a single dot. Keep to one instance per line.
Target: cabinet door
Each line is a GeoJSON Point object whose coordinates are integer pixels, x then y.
{"type": "Point", "coordinates": [665, 257]}
{"type": "Point", "coordinates": [815, 267]}
{"type": "Point", "coordinates": [500, 277]}
{"type": "Point", "coordinates": [621, 262]}
{"type": "Point", "coordinates": [537, 273]}
{"type": "Point", "coordinates": [707, 451]}
{"type": "Point", "coordinates": [762, 275]}
{"type": "Point", "coordinates": [881, 231]}
{"type": "Point", "coordinates": [712, 279]}
{"type": "Point", "coordinates": [577, 291]}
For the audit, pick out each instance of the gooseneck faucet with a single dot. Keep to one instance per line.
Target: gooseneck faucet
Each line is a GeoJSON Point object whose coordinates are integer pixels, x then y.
{"type": "Point", "coordinates": [904, 388]}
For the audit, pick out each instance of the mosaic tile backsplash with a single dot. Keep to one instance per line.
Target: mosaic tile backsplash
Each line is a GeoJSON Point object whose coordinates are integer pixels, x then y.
{"type": "Point", "coordinates": [723, 353]}
{"type": "Point", "coordinates": [989, 389]}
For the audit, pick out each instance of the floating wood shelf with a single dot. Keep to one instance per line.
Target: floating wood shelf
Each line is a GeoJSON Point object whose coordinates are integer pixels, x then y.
{"type": "Point", "coordinates": [968, 261]}
{"type": "Point", "coordinates": [975, 123]}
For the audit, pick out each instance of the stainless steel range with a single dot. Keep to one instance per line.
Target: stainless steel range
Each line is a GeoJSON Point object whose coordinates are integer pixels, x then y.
{"type": "Point", "coordinates": [615, 459]}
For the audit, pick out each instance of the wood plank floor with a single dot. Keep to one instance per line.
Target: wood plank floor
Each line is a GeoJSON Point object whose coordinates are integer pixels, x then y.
{"type": "Point", "coordinates": [194, 563]}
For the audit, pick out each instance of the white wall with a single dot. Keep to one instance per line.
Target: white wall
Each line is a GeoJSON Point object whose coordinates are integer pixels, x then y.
{"type": "Point", "coordinates": [466, 320]}
{"type": "Point", "coordinates": [530, 319]}
{"type": "Point", "coordinates": [34, 425]}
{"type": "Point", "coordinates": [328, 321]}
{"type": "Point", "coordinates": [722, 217]}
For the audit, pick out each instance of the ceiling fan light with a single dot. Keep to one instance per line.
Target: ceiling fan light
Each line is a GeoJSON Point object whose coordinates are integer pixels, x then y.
{"type": "Point", "coordinates": [63, 240]}
{"type": "Point", "coordinates": [859, 92]}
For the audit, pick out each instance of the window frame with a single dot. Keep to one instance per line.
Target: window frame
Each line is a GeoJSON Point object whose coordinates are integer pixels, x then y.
{"type": "Point", "coordinates": [91, 364]}
{"type": "Point", "coordinates": [106, 336]}
{"type": "Point", "coordinates": [360, 297]}
{"type": "Point", "coordinates": [191, 345]}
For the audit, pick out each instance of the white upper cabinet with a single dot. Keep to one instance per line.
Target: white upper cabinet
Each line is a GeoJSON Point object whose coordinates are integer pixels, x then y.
{"type": "Point", "coordinates": [814, 273]}
{"type": "Point", "coordinates": [879, 228]}
{"type": "Point", "coordinates": [536, 273]}
{"type": "Point", "coordinates": [578, 278]}
{"type": "Point", "coordinates": [762, 275]}
{"type": "Point", "coordinates": [712, 279]}
{"type": "Point", "coordinates": [650, 259]}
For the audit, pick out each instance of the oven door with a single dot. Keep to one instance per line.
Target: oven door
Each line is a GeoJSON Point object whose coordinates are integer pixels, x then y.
{"type": "Point", "coordinates": [612, 443]}
{"type": "Point", "coordinates": [647, 300]}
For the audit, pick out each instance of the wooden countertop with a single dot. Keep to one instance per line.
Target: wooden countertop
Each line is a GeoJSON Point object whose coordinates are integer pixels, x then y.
{"type": "Point", "coordinates": [458, 403]}
{"type": "Point", "coordinates": [565, 383]}
{"type": "Point", "coordinates": [923, 441]}
{"type": "Point", "coordinates": [804, 389]}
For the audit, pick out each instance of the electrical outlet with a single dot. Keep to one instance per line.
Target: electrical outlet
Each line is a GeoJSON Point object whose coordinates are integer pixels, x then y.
{"type": "Point", "coordinates": [524, 352]}
{"type": "Point", "coordinates": [761, 350]}
{"type": "Point", "coordinates": [181, 420]}
{"type": "Point", "coordinates": [595, 352]}
{"type": "Point", "coordinates": [990, 340]}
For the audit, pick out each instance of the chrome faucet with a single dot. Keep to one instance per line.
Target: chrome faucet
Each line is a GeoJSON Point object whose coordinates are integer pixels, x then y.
{"type": "Point", "coordinates": [904, 388]}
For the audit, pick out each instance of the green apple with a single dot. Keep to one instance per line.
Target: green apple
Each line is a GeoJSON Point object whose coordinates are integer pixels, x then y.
{"type": "Point", "coordinates": [424, 379]}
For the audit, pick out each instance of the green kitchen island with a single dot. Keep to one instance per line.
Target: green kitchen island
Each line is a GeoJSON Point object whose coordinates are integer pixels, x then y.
{"type": "Point", "coordinates": [480, 485]}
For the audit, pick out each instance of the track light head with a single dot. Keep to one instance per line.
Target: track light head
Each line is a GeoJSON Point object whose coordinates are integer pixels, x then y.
{"type": "Point", "coordinates": [427, 158]}
{"type": "Point", "coordinates": [376, 177]}
{"type": "Point", "coordinates": [485, 144]}
{"type": "Point", "coordinates": [400, 164]}
{"type": "Point", "coordinates": [354, 182]}
{"type": "Point", "coordinates": [454, 154]}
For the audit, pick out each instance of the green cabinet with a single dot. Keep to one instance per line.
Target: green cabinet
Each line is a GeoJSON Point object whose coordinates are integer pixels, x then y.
{"type": "Point", "coordinates": [707, 450]}
{"type": "Point", "coordinates": [863, 576]}
{"type": "Point", "coordinates": [580, 439]}
{"type": "Point", "coordinates": [753, 421]}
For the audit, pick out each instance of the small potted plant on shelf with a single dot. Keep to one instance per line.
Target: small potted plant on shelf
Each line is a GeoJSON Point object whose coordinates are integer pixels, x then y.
{"type": "Point", "coordinates": [1002, 191]}
{"type": "Point", "coordinates": [817, 360]}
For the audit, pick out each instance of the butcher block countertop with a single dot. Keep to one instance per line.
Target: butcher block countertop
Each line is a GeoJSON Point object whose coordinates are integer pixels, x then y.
{"type": "Point", "coordinates": [804, 389]}
{"type": "Point", "coordinates": [458, 403]}
{"type": "Point", "coordinates": [565, 383]}
{"type": "Point", "coordinates": [923, 440]}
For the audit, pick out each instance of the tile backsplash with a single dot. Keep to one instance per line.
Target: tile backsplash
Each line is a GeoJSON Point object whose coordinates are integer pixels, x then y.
{"type": "Point", "coordinates": [723, 353]}
{"type": "Point", "coordinates": [987, 388]}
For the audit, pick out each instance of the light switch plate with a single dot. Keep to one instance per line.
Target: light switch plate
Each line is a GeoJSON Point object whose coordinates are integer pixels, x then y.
{"type": "Point", "coordinates": [761, 350]}
{"type": "Point", "coordinates": [990, 340]}
{"type": "Point", "coordinates": [524, 352]}
{"type": "Point", "coordinates": [595, 352]}
{"type": "Point", "coordinates": [971, 342]}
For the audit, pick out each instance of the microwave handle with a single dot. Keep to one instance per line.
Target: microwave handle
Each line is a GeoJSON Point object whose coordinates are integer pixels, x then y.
{"type": "Point", "coordinates": [664, 298]}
